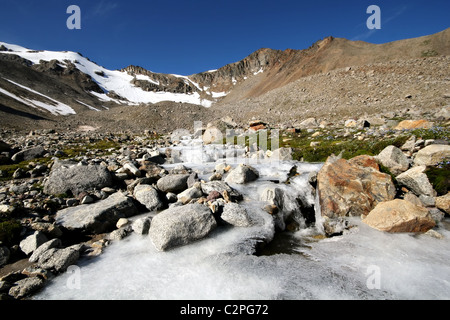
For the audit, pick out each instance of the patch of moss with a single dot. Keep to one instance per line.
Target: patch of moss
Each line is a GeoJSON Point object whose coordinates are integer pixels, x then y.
{"type": "Point", "coordinates": [439, 178]}
{"type": "Point", "coordinates": [9, 230]}
{"type": "Point", "coordinates": [9, 169]}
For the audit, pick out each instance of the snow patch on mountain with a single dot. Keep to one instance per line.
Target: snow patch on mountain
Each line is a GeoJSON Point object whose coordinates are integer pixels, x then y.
{"type": "Point", "coordinates": [117, 81]}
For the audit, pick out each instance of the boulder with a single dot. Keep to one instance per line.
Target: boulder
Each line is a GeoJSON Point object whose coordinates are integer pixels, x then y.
{"type": "Point", "coordinates": [400, 216]}
{"type": "Point", "coordinates": [59, 259]}
{"type": "Point", "coordinates": [348, 189]}
{"type": "Point", "coordinates": [32, 242]}
{"type": "Point", "coordinates": [417, 181]}
{"type": "Point", "coordinates": [394, 159]}
{"type": "Point", "coordinates": [432, 155]}
{"type": "Point", "coordinates": [29, 154]}
{"type": "Point", "coordinates": [26, 287]}
{"type": "Point", "coordinates": [181, 225]}
{"type": "Point", "coordinates": [242, 174]}
{"type": "Point", "coordinates": [282, 154]}
{"type": "Point", "coordinates": [309, 123]}
{"type": "Point", "coordinates": [148, 196]}
{"type": "Point", "coordinates": [211, 135]}
{"type": "Point", "coordinates": [55, 243]}
{"type": "Point", "coordinates": [173, 183]}
{"type": "Point", "coordinates": [77, 178]}
{"type": "Point", "coordinates": [190, 194]}
{"type": "Point", "coordinates": [221, 187]}
{"type": "Point", "coordinates": [99, 217]}
{"type": "Point", "coordinates": [236, 215]}
{"type": "Point", "coordinates": [141, 225]}
{"type": "Point", "coordinates": [414, 124]}
{"type": "Point", "coordinates": [443, 203]}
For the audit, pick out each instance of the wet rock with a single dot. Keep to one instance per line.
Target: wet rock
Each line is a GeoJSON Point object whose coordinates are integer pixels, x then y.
{"type": "Point", "coordinates": [148, 196]}
{"type": "Point", "coordinates": [181, 225]}
{"type": "Point", "coordinates": [242, 174]}
{"type": "Point", "coordinates": [99, 217]}
{"type": "Point", "coordinates": [399, 216]}
{"type": "Point", "coordinates": [77, 178]}
{"type": "Point", "coordinates": [347, 189]}
{"type": "Point", "coordinates": [417, 181]}
{"type": "Point", "coordinates": [236, 215]}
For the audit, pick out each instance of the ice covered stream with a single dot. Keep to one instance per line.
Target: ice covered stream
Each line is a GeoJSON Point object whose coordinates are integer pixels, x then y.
{"type": "Point", "coordinates": [361, 264]}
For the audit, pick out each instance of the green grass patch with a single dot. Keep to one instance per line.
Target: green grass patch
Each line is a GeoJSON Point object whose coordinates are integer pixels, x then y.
{"type": "Point", "coordinates": [103, 147]}
{"type": "Point", "coordinates": [9, 169]}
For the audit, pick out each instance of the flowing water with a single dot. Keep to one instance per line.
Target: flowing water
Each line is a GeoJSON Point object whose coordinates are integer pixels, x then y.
{"type": "Point", "coordinates": [363, 263]}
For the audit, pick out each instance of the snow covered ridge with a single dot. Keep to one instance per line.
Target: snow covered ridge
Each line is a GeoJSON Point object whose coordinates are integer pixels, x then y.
{"type": "Point", "coordinates": [117, 81]}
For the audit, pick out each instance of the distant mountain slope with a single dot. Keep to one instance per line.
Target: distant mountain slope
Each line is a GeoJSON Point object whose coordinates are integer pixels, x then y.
{"type": "Point", "coordinates": [45, 85]}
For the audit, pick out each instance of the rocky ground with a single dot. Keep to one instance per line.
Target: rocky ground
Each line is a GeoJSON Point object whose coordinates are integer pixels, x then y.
{"type": "Point", "coordinates": [67, 194]}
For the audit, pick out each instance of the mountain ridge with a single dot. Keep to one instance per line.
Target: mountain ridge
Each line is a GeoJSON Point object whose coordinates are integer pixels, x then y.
{"type": "Point", "coordinates": [70, 78]}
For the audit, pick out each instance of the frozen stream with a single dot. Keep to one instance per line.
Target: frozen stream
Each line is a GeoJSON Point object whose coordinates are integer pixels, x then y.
{"type": "Point", "coordinates": [361, 264]}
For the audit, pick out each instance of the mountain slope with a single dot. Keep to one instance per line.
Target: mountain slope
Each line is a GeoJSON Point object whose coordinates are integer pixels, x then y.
{"type": "Point", "coordinates": [42, 86]}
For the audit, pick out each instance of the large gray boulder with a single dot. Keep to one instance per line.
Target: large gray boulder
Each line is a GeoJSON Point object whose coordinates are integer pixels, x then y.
{"type": "Point", "coordinates": [77, 178]}
{"type": "Point", "coordinates": [173, 183]}
{"type": "Point", "coordinates": [242, 174]}
{"type": "Point", "coordinates": [29, 154]}
{"type": "Point", "coordinates": [181, 225]}
{"type": "Point", "coordinates": [148, 196]}
{"type": "Point", "coordinates": [98, 217]}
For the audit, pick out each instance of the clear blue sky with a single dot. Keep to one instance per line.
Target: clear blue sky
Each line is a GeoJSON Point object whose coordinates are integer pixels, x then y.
{"type": "Point", "coordinates": [192, 36]}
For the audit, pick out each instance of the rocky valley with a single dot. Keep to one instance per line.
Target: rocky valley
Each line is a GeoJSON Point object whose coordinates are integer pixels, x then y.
{"type": "Point", "coordinates": [285, 158]}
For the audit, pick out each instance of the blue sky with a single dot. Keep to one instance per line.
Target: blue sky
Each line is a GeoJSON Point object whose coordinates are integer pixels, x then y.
{"type": "Point", "coordinates": [192, 36]}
